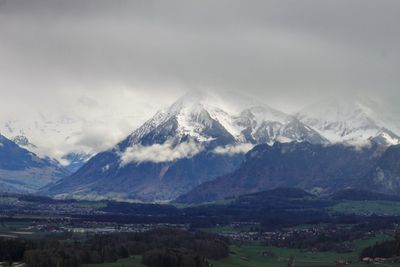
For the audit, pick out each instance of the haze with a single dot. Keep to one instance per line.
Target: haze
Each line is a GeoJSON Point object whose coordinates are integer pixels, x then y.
{"type": "Point", "coordinates": [111, 64]}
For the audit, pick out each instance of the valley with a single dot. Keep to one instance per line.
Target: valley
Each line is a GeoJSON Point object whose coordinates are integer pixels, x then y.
{"type": "Point", "coordinates": [282, 225]}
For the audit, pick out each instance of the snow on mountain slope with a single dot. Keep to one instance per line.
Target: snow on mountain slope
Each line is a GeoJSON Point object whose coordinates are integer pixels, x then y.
{"type": "Point", "coordinates": [45, 135]}
{"type": "Point", "coordinates": [24, 142]}
{"type": "Point", "coordinates": [53, 135]}
{"type": "Point", "coordinates": [385, 136]}
{"type": "Point", "coordinates": [262, 113]}
{"type": "Point", "coordinates": [262, 124]}
{"type": "Point", "coordinates": [200, 117]}
{"type": "Point", "coordinates": [79, 124]}
{"type": "Point", "coordinates": [353, 121]}
{"type": "Point", "coordinates": [62, 137]}
{"type": "Point", "coordinates": [189, 117]}
{"type": "Point", "coordinates": [195, 140]}
{"type": "Point", "coordinates": [74, 161]}
{"type": "Point", "coordinates": [165, 157]}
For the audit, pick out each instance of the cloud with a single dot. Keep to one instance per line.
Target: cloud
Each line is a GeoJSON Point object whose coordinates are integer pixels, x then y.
{"type": "Point", "coordinates": [88, 102]}
{"type": "Point", "coordinates": [83, 57]}
{"type": "Point", "coordinates": [269, 48]}
{"type": "Point", "coordinates": [157, 153]}
{"type": "Point", "coordinates": [233, 149]}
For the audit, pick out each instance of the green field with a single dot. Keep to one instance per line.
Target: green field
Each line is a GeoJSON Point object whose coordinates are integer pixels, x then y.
{"type": "Point", "coordinates": [135, 261]}
{"type": "Point", "coordinates": [368, 207]}
{"type": "Point", "coordinates": [250, 255]}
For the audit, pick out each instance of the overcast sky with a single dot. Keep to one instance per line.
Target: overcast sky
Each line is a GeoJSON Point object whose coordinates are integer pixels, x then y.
{"type": "Point", "coordinates": [128, 58]}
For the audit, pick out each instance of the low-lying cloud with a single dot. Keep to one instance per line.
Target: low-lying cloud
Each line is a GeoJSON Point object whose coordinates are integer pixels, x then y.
{"type": "Point", "coordinates": [111, 62]}
{"type": "Point", "coordinates": [158, 153]}
{"type": "Point", "coordinates": [233, 149]}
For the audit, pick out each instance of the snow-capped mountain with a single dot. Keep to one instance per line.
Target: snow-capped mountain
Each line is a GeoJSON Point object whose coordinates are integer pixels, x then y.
{"type": "Point", "coordinates": [198, 138]}
{"type": "Point", "coordinates": [194, 117]}
{"type": "Point", "coordinates": [24, 142]}
{"type": "Point", "coordinates": [189, 117]}
{"type": "Point", "coordinates": [71, 161]}
{"type": "Point", "coordinates": [353, 121]}
{"type": "Point", "coordinates": [46, 136]}
{"type": "Point", "coordinates": [74, 161]}
{"type": "Point", "coordinates": [321, 169]}
{"type": "Point", "coordinates": [262, 124]}
{"type": "Point", "coordinates": [23, 171]}
{"type": "Point", "coordinates": [192, 141]}
{"type": "Point", "coordinates": [313, 167]}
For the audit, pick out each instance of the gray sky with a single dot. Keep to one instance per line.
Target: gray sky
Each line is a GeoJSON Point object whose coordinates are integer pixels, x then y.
{"type": "Point", "coordinates": [129, 58]}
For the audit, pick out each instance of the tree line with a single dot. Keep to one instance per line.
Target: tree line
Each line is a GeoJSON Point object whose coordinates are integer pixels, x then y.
{"type": "Point", "coordinates": [160, 248]}
{"type": "Point", "coordinates": [385, 249]}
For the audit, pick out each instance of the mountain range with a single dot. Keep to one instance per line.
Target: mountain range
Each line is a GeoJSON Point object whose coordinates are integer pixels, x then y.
{"type": "Point", "coordinates": [316, 168]}
{"type": "Point", "coordinates": [185, 147]}
{"type": "Point", "coordinates": [193, 142]}
{"type": "Point", "coordinates": [352, 121]}
{"type": "Point", "coordinates": [51, 131]}
{"type": "Point", "coordinates": [23, 171]}
{"type": "Point", "coordinates": [189, 143]}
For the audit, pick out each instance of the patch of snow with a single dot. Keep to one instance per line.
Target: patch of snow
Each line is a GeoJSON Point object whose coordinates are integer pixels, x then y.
{"type": "Point", "coordinates": [228, 122]}
{"type": "Point", "coordinates": [390, 139]}
{"type": "Point", "coordinates": [105, 168]}
{"type": "Point", "coordinates": [351, 121]}
{"type": "Point", "coordinates": [196, 114]}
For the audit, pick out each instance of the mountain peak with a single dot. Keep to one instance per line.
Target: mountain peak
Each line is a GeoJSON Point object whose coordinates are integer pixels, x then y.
{"type": "Point", "coordinates": [352, 120]}
{"type": "Point", "coordinates": [192, 116]}
{"type": "Point", "coordinates": [199, 138]}
{"type": "Point", "coordinates": [203, 117]}
{"type": "Point", "coordinates": [262, 113]}
{"type": "Point", "coordinates": [22, 170]}
{"type": "Point", "coordinates": [190, 101]}
{"type": "Point", "coordinates": [23, 141]}
{"type": "Point", "coordinates": [386, 137]}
